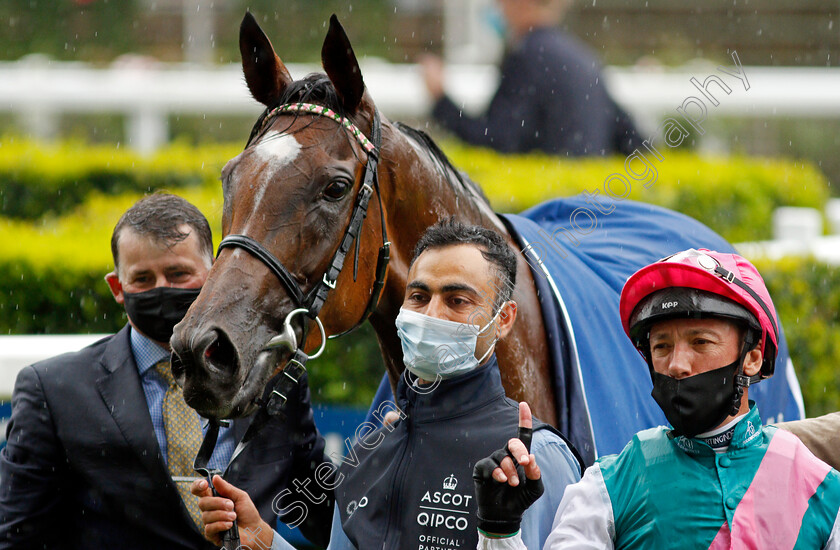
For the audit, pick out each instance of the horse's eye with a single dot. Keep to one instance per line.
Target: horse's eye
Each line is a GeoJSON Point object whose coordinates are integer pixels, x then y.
{"type": "Point", "coordinates": [336, 189]}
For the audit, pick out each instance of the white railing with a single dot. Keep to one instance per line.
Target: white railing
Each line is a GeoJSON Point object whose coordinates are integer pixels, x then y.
{"type": "Point", "coordinates": [799, 232]}
{"type": "Point", "coordinates": [39, 91]}
{"type": "Point", "coordinates": [17, 352]}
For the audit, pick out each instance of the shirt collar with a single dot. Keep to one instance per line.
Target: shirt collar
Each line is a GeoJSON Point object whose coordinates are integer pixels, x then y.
{"type": "Point", "coordinates": [719, 438]}
{"type": "Point", "coordinates": [147, 353]}
{"type": "Point", "coordinates": [747, 432]}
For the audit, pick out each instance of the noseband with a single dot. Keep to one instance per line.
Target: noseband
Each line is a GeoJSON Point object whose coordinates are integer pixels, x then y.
{"type": "Point", "coordinates": [313, 300]}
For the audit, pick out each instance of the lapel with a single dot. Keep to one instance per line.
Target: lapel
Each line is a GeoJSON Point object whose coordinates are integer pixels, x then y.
{"type": "Point", "coordinates": [240, 426]}
{"type": "Point", "coordinates": [122, 393]}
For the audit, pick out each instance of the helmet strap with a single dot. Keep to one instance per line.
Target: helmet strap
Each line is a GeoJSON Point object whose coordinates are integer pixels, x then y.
{"type": "Point", "coordinates": [743, 381]}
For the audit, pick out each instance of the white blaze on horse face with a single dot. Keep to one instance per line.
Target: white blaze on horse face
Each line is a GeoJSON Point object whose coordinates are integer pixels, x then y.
{"type": "Point", "coordinates": [276, 150]}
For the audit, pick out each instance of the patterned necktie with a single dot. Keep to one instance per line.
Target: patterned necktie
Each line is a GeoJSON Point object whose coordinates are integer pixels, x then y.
{"type": "Point", "coordinates": [183, 438]}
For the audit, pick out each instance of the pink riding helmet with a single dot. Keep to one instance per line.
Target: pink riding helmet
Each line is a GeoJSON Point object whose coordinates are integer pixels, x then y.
{"type": "Point", "coordinates": [726, 275]}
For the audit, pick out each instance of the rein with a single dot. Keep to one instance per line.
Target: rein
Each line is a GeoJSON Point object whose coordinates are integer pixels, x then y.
{"type": "Point", "coordinates": [275, 396]}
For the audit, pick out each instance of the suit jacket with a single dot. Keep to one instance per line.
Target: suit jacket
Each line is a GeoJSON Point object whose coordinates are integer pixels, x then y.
{"type": "Point", "coordinates": [82, 467]}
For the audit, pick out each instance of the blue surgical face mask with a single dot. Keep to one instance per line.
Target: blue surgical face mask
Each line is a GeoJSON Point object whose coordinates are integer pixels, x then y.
{"type": "Point", "coordinates": [435, 347]}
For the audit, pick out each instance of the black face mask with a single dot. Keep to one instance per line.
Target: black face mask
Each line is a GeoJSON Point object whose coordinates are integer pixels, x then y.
{"type": "Point", "coordinates": [698, 403]}
{"type": "Point", "coordinates": [156, 312]}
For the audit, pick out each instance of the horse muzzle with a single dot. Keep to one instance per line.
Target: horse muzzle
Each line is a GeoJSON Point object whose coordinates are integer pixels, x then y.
{"type": "Point", "coordinates": [207, 366]}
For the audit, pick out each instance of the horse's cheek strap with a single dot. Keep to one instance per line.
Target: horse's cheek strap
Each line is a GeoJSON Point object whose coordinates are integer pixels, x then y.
{"type": "Point", "coordinates": [318, 295]}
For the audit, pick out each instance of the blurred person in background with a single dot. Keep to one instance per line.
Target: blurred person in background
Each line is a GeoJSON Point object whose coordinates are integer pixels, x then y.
{"type": "Point", "coordinates": [101, 443]}
{"type": "Point", "coordinates": [551, 97]}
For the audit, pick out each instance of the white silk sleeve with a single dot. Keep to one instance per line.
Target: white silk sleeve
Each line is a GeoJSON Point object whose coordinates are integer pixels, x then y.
{"type": "Point", "coordinates": [834, 540]}
{"type": "Point", "coordinates": [584, 520]}
{"type": "Point", "coordinates": [509, 543]}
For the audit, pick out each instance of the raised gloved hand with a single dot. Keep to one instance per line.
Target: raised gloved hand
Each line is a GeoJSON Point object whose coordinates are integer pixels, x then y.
{"type": "Point", "coordinates": [508, 482]}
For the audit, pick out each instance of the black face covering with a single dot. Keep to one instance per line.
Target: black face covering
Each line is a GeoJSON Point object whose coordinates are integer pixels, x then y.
{"type": "Point", "coordinates": [156, 312]}
{"type": "Point", "coordinates": [698, 403]}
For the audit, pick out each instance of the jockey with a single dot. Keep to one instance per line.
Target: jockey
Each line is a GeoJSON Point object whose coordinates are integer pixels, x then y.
{"type": "Point", "coordinates": [706, 326]}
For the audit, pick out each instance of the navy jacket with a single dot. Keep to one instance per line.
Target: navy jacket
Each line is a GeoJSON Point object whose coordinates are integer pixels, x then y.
{"type": "Point", "coordinates": [551, 98]}
{"type": "Point", "coordinates": [412, 487]}
{"type": "Point", "coordinates": [82, 467]}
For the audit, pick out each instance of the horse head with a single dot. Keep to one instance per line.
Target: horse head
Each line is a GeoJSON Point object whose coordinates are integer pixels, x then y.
{"type": "Point", "coordinates": [289, 197]}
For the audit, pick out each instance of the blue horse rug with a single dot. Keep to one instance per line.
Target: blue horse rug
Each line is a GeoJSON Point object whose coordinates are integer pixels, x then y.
{"type": "Point", "coordinates": [580, 255]}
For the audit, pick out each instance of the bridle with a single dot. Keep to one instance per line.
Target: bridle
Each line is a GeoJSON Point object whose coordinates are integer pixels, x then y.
{"type": "Point", "coordinates": [313, 300]}
{"type": "Point", "coordinates": [273, 402]}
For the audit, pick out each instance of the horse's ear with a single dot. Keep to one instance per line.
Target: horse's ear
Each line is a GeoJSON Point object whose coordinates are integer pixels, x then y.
{"type": "Point", "coordinates": [265, 74]}
{"type": "Point", "coordinates": [341, 66]}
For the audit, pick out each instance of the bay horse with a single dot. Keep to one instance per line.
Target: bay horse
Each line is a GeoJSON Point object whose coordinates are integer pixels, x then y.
{"type": "Point", "coordinates": [292, 191]}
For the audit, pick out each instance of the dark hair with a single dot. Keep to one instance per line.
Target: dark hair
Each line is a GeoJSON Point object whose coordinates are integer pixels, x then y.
{"type": "Point", "coordinates": [493, 246]}
{"type": "Point", "coordinates": [159, 216]}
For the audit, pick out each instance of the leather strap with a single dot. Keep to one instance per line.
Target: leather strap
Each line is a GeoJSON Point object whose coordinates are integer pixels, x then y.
{"type": "Point", "coordinates": [230, 538]}
{"type": "Point", "coordinates": [273, 264]}
{"type": "Point", "coordinates": [730, 277]}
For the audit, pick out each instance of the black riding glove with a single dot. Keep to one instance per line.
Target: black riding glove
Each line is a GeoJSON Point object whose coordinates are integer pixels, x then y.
{"type": "Point", "coordinates": [500, 506]}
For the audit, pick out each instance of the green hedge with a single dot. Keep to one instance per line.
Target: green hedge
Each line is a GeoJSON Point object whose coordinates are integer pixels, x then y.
{"type": "Point", "coordinates": [807, 298]}
{"type": "Point", "coordinates": [52, 299]}
{"type": "Point", "coordinates": [735, 196]}
{"type": "Point", "coordinates": [37, 179]}
{"type": "Point", "coordinates": [81, 240]}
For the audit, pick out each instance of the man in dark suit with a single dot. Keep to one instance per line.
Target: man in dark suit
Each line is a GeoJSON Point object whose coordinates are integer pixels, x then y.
{"type": "Point", "coordinates": [101, 443]}
{"type": "Point", "coordinates": [551, 97]}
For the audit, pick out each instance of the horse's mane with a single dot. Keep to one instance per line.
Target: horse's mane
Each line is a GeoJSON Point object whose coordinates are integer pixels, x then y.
{"type": "Point", "coordinates": [442, 160]}
{"type": "Point", "coordinates": [318, 89]}
{"type": "Point", "coordinates": [314, 88]}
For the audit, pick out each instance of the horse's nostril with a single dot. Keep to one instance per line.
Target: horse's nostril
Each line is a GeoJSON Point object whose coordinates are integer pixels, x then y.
{"type": "Point", "coordinates": [211, 349]}
{"type": "Point", "coordinates": [221, 354]}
